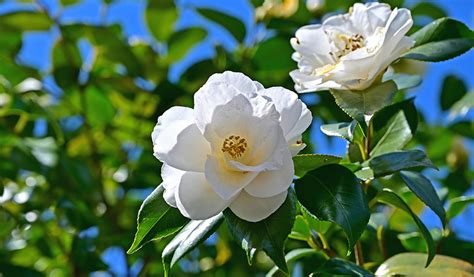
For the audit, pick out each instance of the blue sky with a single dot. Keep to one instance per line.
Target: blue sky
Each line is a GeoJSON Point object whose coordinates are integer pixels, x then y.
{"type": "Point", "coordinates": [129, 13]}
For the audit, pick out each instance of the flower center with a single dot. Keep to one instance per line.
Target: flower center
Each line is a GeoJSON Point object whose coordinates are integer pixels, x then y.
{"type": "Point", "coordinates": [349, 43]}
{"type": "Point", "coordinates": [235, 146]}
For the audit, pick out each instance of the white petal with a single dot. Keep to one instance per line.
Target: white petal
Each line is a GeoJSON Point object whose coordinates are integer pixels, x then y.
{"type": "Point", "coordinates": [271, 183]}
{"type": "Point", "coordinates": [219, 90]}
{"type": "Point", "coordinates": [181, 145]}
{"type": "Point", "coordinates": [171, 115]}
{"type": "Point", "coordinates": [196, 199]}
{"type": "Point", "coordinates": [312, 43]}
{"type": "Point", "coordinates": [171, 178]}
{"type": "Point", "coordinates": [255, 209]}
{"type": "Point", "coordinates": [226, 182]}
{"type": "Point", "coordinates": [368, 17]}
{"type": "Point", "coordinates": [238, 80]}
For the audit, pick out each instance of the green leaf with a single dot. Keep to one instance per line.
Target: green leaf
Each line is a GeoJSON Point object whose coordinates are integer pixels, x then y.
{"type": "Point", "coordinates": [69, 2]}
{"type": "Point", "coordinates": [453, 90]}
{"type": "Point", "coordinates": [464, 128]}
{"type": "Point", "coordinates": [427, 9]}
{"type": "Point", "coordinates": [393, 162]}
{"type": "Point", "coordinates": [336, 266]}
{"type": "Point", "coordinates": [156, 219]}
{"type": "Point", "coordinates": [403, 81]}
{"type": "Point", "coordinates": [406, 264]}
{"type": "Point", "coordinates": [269, 234]}
{"type": "Point", "coordinates": [458, 204]}
{"type": "Point", "coordinates": [333, 193]}
{"type": "Point", "coordinates": [389, 197]}
{"type": "Point", "coordinates": [192, 234]}
{"type": "Point", "coordinates": [343, 130]}
{"type": "Point", "coordinates": [67, 63]}
{"type": "Point", "coordinates": [424, 190]}
{"type": "Point", "coordinates": [100, 110]}
{"type": "Point", "coordinates": [22, 21]}
{"type": "Point", "coordinates": [300, 230]}
{"type": "Point", "coordinates": [307, 162]}
{"type": "Point", "coordinates": [357, 104]}
{"type": "Point", "coordinates": [295, 255]}
{"type": "Point", "coordinates": [232, 24]}
{"type": "Point", "coordinates": [461, 107]}
{"type": "Point", "coordinates": [160, 17]}
{"type": "Point", "coordinates": [182, 41]}
{"type": "Point", "coordinates": [393, 127]}
{"type": "Point", "coordinates": [441, 40]}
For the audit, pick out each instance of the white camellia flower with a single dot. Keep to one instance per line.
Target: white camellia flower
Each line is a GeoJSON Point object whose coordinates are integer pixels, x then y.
{"type": "Point", "coordinates": [350, 51]}
{"type": "Point", "coordinates": [234, 149]}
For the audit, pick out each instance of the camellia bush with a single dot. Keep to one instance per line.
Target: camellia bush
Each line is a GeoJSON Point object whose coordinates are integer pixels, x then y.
{"type": "Point", "coordinates": [232, 182]}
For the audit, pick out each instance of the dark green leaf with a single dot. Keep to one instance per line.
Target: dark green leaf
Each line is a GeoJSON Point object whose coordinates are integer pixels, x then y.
{"type": "Point", "coordinates": [192, 234]}
{"type": "Point", "coordinates": [156, 219]}
{"type": "Point", "coordinates": [441, 40]}
{"type": "Point", "coordinates": [393, 162]}
{"type": "Point", "coordinates": [269, 234]}
{"type": "Point", "coordinates": [230, 23]}
{"type": "Point", "coordinates": [424, 190]}
{"type": "Point", "coordinates": [427, 9]}
{"type": "Point", "coordinates": [343, 130]}
{"type": "Point", "coordinates": [392, 127]}
{"type": "Point", "coordinates": [403, 81]}
{"type": "Point", "coordinates": [160, 16]}
{"type": "Point", "coordinates": [458, 204]}
{"type": "Point", "coordinates": [389, 197]}
{"type": "Point", "coordinates": [67, 63]}
{"type": "Point", "coordinates": [453, 90]}
{"type": "Point", "coordinates": [333, 193]}
{"type": "Point", "coordinates": [463, 128]}
{"type": "Point", "coordinates": [183, 41]}
{"type": "Point", "coordinates": [295, 255]}
{"type": "Point", "coordinates": [359, 103]}
{"type": "Point", "coordinates": [342, 267]}
{"type": "Point", "coordinates": [307, 162]}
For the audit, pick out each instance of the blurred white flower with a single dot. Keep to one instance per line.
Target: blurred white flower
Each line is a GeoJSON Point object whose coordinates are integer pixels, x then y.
{"type": "Point", "coordinates": [350, 51]}
{"type": "Point", "coordinates": [276, 8]}
{"type": "Point", "coordinates": [234, 149]}
{"type": "Point", "coordinates": [314, 5]}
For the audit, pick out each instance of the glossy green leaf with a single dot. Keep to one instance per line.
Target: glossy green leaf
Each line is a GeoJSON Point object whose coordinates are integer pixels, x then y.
{"type": "Point", "coordinates": [411, 264]}
{"type": "Point", "coordinates": [441, 40]}
{"type": "Point", "coordinates": [160, 17]}
{"type": "Point", "coordinates": [343, 130]}
{"type": "Point", "coordinates": [458, 204]}
{"type": "Point", "coordinates": [269, 234]}
{"type": "Point", "coordinates": [389, 197]}
{"type": "Point", "coordinates": [393, 162]}
{"type": "Point", "coordinates": [307, 162]}
{"type": "Point", "coordinates": [453, 90]}
{"type": "Point", "coordinates": [25, 21]}
{"type": "Point", "coordinates": [182, 41]}
{"type": "Point", "coordinates": [333, 193]}
{"type": "Point", "coordinates": [393, 127]}
{"type": "Point", "coordinates": [156, 219]}
{"type": "Point", "coordinates": [424, 190]}
{"type": "Point", "coordinates": [403, 81]}
{"type": "Point", "coordinates": [357, 104]}
{"type": "Point", "coordinates": [337, 266]}
{"type": "Point", "coordinates": [192, 234]}
{"type": "Point", "coordinates": [232, 24]}
{"type": "Point", "coordinates": [295, 255]}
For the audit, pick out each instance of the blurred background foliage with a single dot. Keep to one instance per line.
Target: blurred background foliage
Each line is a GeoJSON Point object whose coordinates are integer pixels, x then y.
{"type": "Point", "coordinates": [83, 82]}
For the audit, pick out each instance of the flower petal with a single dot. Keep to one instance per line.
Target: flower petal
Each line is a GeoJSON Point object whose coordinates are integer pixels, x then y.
{"type": "Point", "coordinates": [181, 145]}
{"type": "Point", "coordinates": [271, 183]}
{"type": "Point", "coordinates": [226, 182]}
{"type": "Point", "coordinates": [255, 209]}
{"type": "Point", "coordinates": [171, 115]}
{"type": "Point", "coordinates": [196, 199]}
{"type": "Point", "coordinates": [219, 90]}
{"type": "Point", "coordinates": [171, 178]}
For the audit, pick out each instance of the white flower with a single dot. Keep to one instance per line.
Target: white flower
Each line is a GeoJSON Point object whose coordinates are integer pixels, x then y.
{"type": "Point", "coordinates": [350, 51]}
{"type": "Point", "coordinates": [234, 149]}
